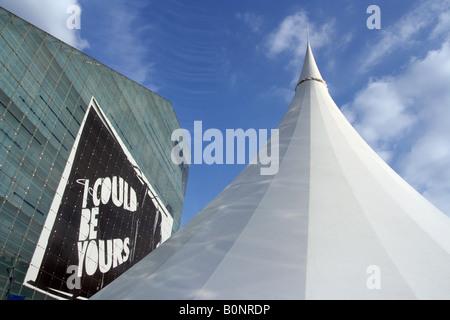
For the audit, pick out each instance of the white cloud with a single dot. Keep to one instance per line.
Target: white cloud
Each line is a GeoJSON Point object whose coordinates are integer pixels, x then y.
{"type": "Point", "coordinates": [50, 16]}
{"type": "Point", "coordinates": [380, 115]}
{"type": "Point", "coordinates": [409, 116]}
{"type": "Point", "coordinates": [443, 25]}
{"type": "Point", "coordinates": [125, 41]}
{"type": "Point", "coordinates": [405, 31]}
{"type": "Point", "coordinates": [252, 20]}
{"type": "Point", "coordinates": [290, 36]}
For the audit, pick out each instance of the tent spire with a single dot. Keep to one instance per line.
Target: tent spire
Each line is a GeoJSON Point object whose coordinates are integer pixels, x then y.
{"type": "Point", "coordinates": [310, 70]}
{"type": "Point", "coordinates": [307, 33]}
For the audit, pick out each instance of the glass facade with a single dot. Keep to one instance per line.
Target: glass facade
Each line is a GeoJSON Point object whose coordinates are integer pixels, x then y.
{"type": "Point", "coordinates": [115, 149]}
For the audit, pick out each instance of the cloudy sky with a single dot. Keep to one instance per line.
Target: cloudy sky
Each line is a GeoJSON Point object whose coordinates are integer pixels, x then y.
{"type": "Point", "coordinates": [234, 64]}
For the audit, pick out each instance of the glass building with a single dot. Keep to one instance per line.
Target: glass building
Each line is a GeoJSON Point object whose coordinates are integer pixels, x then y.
{"type": "Point", "coordinates": [87, 185]}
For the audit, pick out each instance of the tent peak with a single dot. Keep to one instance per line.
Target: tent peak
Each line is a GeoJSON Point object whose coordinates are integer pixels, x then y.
{"type": "Point", "coordinates": [310, 70]}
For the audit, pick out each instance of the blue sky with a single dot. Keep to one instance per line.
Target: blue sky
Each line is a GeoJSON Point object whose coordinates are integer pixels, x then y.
{"type": "Point", "coordinates": [234, 64]}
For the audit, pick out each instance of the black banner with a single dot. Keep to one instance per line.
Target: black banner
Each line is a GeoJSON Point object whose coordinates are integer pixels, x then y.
{"type": "Point", "coordinates": [106, 219]}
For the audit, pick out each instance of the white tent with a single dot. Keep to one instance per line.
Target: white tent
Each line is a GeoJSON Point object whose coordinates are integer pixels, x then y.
{"type": "Point", "coordinates": [336, 222]}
